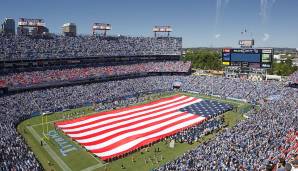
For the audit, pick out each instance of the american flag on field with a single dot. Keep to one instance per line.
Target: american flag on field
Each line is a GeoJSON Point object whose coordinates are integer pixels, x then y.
{"type": "Point", "coordinates": [113, 133]}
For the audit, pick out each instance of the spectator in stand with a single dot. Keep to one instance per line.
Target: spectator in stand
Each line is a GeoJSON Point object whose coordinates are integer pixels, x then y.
{"type": "Point", "coordinates": [27, 79]}
{"type": "Point", "coordinates": [23, 47]}
{"type": "Point", "coordinates": [252, 144]}
{"type": "Point", "coordinates": [293, 78]}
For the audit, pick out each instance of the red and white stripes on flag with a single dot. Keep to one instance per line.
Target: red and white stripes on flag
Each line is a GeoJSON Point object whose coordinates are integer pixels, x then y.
{"type": "Point", "coordinates": [113, 133]}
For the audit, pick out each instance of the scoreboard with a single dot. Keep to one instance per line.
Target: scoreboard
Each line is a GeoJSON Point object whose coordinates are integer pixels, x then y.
{"type": "Point", "coordinates": [256, 58]}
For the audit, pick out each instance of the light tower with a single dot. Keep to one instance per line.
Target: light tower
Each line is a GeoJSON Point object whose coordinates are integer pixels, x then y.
{"type": "Point", "coordinates": [101, 27]}
{"type": "Point", "coordinates": [162, 29]}
{"type": "Point", "coordinates": [37, 25]}
{"type": "Point", "coordinates": [69, 29]}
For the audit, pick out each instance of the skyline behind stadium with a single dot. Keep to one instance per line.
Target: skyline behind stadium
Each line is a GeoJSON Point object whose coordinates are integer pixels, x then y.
{"type": "Point", "coordinates": [203, 23]}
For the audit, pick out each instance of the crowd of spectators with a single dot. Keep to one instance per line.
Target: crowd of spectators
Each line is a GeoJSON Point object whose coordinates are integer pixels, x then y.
{"type": "Point", "coordinates": [293, 78]}
{"type": "Point", "coordinates": [291, 145]}
{"type": "Point", "coordinates": [195, 132]}
{"type": "Point", "coordinates": [289, 151]}
{"type": "Point", "coordinates": [23, 47]}
{"type": "Point", "coordinates": [25, 79]}
{"type": "Point", "coordinates": [247, 90]}
{"type": "Point", "coordinates": [251, 144]}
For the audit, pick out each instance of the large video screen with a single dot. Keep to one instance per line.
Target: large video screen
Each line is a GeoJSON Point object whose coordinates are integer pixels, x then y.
{"type": "Point", "coordinates": [245, 57]}
{"type": "Point", "coordinates": [266, 58]}
{"type": "Point", "coordinates": [257, 58]}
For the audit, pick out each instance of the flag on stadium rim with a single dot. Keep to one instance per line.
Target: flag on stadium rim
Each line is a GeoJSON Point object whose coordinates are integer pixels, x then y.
{"type": "Point", "coordinates": [113, 133]}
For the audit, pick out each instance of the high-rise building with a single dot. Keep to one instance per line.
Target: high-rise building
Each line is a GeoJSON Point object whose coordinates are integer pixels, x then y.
{"type": "Point", "coordinates": [69, 29]}
{"type": "Point", "coordinates": [8, 26]}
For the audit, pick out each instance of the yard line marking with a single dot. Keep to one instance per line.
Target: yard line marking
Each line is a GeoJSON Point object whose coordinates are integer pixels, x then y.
{"type": "Point", "coordinates": [48, 149]}
{"type": "Point", "coordinates": [96, 158]}
{"type": "Point", "coordinates": [94, 167]}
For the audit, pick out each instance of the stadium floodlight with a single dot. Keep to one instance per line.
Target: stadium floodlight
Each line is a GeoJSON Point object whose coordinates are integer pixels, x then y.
{"type": "Point", "coordinates": [29, 22]}
{"type": "Point", "coordinates": [162, 29]}
{"type": "Point", "coordinates": [69, 29]}
{"type": "Point", "coordinates": [38, 26]}
{"type": "Point", "coordinates": [101, 27]}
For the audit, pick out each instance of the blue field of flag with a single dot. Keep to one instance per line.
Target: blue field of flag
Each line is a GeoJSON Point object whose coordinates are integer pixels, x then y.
{"type": "Point", "coordinates": [207, 108]}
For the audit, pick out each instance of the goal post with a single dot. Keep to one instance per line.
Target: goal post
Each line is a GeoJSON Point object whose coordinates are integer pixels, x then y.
{"type": "Point", "coordinates": [45, 125]}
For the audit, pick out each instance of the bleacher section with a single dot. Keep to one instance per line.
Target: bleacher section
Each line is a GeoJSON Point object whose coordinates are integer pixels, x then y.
{"type": "Point", "coordinates": [26, 52]}
{"type": "Point", "coordinates": [60, 77]}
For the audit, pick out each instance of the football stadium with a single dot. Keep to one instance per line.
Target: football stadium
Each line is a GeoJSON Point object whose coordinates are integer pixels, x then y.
{"type": "Point", "coordinates": [109, 102]}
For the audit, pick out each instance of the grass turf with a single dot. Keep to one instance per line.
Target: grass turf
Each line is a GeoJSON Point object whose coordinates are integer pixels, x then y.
{"type": "Point", "coordinates": [81, 159]}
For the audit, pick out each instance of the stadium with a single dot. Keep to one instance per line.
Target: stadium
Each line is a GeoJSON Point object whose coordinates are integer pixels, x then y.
{"type": "Point", "coordinates": [113, 102]}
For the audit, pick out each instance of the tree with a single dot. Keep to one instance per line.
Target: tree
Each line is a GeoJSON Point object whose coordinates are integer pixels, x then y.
{"type": "Point", "coordinates": [204, 59]}
{"type": "Point", "coordinates": [284, 68]}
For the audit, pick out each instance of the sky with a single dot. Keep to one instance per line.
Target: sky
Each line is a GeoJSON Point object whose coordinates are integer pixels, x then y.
{"type": "Point", "coordinates": [200, 23]}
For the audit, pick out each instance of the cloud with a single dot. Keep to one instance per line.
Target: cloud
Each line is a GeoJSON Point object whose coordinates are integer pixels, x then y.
{"type": "Point", "coordinates": [266, 37]}
{"type": "Point", "coordinates": [265, 7]}
{"type": "Point", "coordinates": [220, 4]}
{"type": "Point", "coordinates": [217, 36]}
{"type": "Point", "coordinates": [218, 11]}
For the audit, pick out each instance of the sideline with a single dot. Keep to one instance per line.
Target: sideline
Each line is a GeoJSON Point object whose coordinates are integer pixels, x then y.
{"type": "Point", "coordinates": [37, 137]}
{"type": "Point", "coordinates": [94, 167]}
{"type": "Point", "coordinates": [47, 122]}
{"type": "Point", "coordinates": [57, 159]}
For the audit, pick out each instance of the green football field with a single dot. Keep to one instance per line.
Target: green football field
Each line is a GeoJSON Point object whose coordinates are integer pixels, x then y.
{"type": "Point", "coordinates": [50, 156]}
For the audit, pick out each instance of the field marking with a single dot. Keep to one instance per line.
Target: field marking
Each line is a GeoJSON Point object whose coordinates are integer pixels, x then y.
{"type": "Point", "coordinates": [100, 163]}
{"type": "Point", "coordinates": [47, 122]}
{"type": "Point", "coordinates": [66, 119]}
{"type": "Point", "coordinates": [82, 148]}
{"type": "Point", "coordinates": [51, 152]}
{"type": "Point", "coordinates": [94, 167]}
{"type": "Point", "coordinates": [96, 158]}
